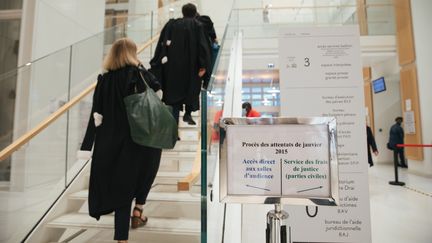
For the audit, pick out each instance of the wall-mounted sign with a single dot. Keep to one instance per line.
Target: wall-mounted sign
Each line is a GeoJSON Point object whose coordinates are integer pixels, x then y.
{"type": "Point", "coordinates": [408, 104]}
{"type": "Point", "coordinates": [409, 122]}
{"type": "Point", "coordinates": [286, 160]}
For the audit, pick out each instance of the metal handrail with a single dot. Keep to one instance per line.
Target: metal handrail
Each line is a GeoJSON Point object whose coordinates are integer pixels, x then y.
{"type": "Point", "coordinates": [6, 152]}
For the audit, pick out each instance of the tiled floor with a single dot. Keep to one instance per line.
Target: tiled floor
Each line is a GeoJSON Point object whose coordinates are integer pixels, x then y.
{"type": "Point", "coordinates": [400, 214]}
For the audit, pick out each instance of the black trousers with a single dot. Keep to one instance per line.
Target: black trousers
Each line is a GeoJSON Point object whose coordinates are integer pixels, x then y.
{"type": "Point", "coordinates": [176, 112]}
{"type": "Point", "coordinates": [121, 223]}
{"type": "Point", "coordinates": [148, 170]}
{"type": "Point", "coordinates": [399, 152]}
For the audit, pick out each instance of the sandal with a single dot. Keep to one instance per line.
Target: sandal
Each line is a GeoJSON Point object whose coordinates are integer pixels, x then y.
{"type": "Point", "coordinates": [137, 221]}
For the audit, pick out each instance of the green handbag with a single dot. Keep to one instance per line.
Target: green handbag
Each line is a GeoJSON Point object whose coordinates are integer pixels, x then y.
{"type": "Point", "coordinates": [151, 121]}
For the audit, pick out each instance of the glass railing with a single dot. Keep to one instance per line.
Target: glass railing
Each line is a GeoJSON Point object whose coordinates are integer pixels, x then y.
{"type": "Point", "coordinates": [33, 177]}
{"type": "Point", "coordinates": [380, 18]}
{"type": "Point", "coordinates": [213, 107]}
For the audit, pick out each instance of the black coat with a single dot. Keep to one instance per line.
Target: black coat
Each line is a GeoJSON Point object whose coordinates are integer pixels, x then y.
{"type": "Point", "coordinates": [208, 26]}
{"type": "Point", "coordinates": [396, 135]}
{"type": "Point", "coordinates": [184, 43]}
{"type": "Point", "coordinates": [210, 33]}
{"type": "Point", "coordinates": [370, 144]}
{"type": "Point", "coordinates": [114, 173]}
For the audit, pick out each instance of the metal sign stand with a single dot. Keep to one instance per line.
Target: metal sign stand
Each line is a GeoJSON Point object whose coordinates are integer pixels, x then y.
{"type": "Point", "coordinates": [276, 231]}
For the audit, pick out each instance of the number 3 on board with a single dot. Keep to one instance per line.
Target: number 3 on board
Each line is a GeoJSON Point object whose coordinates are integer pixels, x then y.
{"type": "Point", "coordinates": [307, 62]}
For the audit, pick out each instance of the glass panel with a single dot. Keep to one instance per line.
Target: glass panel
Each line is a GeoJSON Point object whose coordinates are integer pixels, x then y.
{"type": "Point", "coordinates": [256, 96]}
{"type": "Point", "coordinates": [246, 97]}
{"type": "Point", "coordinates": [11, 4]}
{"type": "Point", "coordinates": [256, 89]}
{"type": "Point", "coordinates": [37, 179]}
{"type": "Point", "coordinates": [77, 119]}
{"type": "Point", "coordinates": [9, 42]}
{"type": "Point", "coordinates": [256, 103]}
{"type": "Point", "coordinates": [268, 96]}
{"type": "Point", "coordinates": [214, 111]}
{"type": "Point", "coordinates": [52, 72]}
{"type": "Point", "coordinates": [9, 36]}
{"type": "Point", "coordinates": [35, 175]}
{"type": "Point", "coordinates": [381, 20]}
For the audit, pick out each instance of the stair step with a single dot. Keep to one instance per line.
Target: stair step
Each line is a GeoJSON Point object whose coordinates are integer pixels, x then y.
{"type": "Point", "coordinates": [182, 226]}
{"type": "Point", "coordinates": [188, 135]}
{"type": "Point", "coordinates": [171, 174]}
{"type": "Point", "coordinates": [170, 177]}
{"type": "Point", "coordinates": [169, 154]}
{"type": "Point", "coordinates": [187, 142]}
{"type": "Point", "coordinates": [153, 196]}
{"type": "Point", "coordinates": [106, 236]}
{"type": "Point", "coordinates": [184, 145]}
{"type": "Point", "coordinates": [189, 127]}
{"type": "Point", "coordinates": [195, 189]}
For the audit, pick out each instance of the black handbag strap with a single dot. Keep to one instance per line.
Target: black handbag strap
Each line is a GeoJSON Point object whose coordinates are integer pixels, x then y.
{"type": "Point", "coordinates": [139, 85]}
{"type": "Point", "coordinates": [142, 77]}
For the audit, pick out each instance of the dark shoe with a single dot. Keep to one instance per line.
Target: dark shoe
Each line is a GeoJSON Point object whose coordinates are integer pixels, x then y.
{"type": "Point", "coordinates": [370, 165]}
{"type": "Point", "coordinates": [188, 119]}
{"type": "Point", "coordinates": [138, 221]}
{"type": "Point", "coordinates": [404, 166]}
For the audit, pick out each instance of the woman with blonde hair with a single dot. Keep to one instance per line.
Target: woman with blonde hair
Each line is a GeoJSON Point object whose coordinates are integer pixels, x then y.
{"type": "Point", "coordinates": [121, 170]}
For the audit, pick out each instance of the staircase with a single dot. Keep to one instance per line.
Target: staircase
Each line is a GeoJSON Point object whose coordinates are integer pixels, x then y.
{"type": "Point", "coordinates": [174, 216]}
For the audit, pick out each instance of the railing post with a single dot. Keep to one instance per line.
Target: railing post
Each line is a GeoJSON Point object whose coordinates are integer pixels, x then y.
{"type": "Point", "coordinates": [68, 115]}
{"type": "Point", "coordinates": [203, 166]}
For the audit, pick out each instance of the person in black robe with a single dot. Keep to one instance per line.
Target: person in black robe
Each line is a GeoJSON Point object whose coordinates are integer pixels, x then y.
{"type": "Point", "coordinates": [121, 170]}
{"type": "Point", "coordinates": [371, 144]}
{"type": "Point", "coordinates": [210, 33]}
{"type": "Point", "coordinates": [181, 58]}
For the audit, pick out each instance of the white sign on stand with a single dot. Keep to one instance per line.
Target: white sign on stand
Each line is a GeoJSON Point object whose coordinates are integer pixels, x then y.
{"type": "Point", "coordinates": [320, 68]}
{"type": "Point", "coordinates": [279, 160]}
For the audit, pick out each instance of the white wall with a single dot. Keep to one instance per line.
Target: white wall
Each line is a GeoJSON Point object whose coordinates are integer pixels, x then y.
{"type": "Point", "coordinates": [422, 18]}
{"type": "Point", "coordinates": [58, 24]}
{"type": "Point", "coordinates": [140, 29]}
{"type": "Point", "coordinates": [142, 6]}
{"type": "Point", "coordinates": [51, 26]}
{"type": "Point", "coordinates": [218, 11]}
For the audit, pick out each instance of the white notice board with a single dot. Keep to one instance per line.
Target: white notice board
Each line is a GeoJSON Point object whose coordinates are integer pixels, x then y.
{"type": "Point", "coordinates": [320, 68]}
{"type": "Point", "coordinates": [287, 160]}
{"type": "Point", "coordinates": [409, 121]}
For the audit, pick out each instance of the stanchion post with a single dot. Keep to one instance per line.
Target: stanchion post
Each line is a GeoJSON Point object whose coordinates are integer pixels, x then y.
{"type": "Point", "coordinates": [396, 182]}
